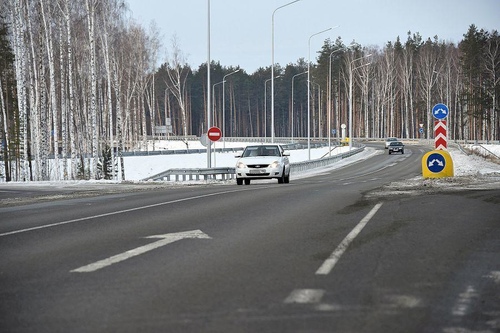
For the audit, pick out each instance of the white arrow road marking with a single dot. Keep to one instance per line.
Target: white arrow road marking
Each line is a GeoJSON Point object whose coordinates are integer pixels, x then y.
{"type": "Point", "coordinates": [164, 240]}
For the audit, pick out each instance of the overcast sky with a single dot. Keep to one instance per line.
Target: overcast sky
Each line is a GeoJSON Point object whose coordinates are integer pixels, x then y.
{"type": "Point", "coordinates": [241, 32]}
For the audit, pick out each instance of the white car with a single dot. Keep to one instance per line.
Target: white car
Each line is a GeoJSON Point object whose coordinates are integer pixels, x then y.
{"type": "Point", "coordinates": [389, 140]}
{"type": "Point", "coordinates": [263, 162]}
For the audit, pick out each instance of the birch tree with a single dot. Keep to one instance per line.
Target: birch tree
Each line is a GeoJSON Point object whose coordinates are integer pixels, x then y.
{"type": "Point", "coordinates": [90, 5]}
{"type": "Point", "coordinates": [19, 31]}
{"type": "Point", "coordinates": [178, 71]}
{"type": "Point", "coordinates": [492, 69]}
{"type": "Point", "coordinates": [47, 20]}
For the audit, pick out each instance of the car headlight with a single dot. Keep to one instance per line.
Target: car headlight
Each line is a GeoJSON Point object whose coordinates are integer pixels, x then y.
{"type": "Point", "coordinates": [274, 165]}
{"type": "Point", "coordinates": [240, 165]}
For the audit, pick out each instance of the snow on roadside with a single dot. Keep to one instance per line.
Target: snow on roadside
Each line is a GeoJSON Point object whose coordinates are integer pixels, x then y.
{"type": "Point", "coordinates": [469, 169]}
{"type": "Point", "coordinates": [471, 172]}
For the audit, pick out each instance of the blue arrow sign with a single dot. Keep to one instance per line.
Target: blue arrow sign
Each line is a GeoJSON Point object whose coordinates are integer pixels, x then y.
{"type": "Point", "coordinates": [436, 162]}
{"type": "Point", "coordinates": [440, 111]}
{"type": "Point", "coordinates": [421, 130]}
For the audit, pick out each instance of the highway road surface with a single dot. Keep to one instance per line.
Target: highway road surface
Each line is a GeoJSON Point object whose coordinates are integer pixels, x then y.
{"type": "Point", "coordinates": [330, 253]}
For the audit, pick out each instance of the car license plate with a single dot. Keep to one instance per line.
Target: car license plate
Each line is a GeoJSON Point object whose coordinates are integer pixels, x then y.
{"type": "Point", "coordinates": [256, 172]}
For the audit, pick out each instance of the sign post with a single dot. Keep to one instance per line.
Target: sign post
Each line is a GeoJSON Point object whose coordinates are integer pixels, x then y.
{"type": "Point", "coordinates": [440, 112]}
{"type": "Point", "coordinates": [438, 163]}
{"type": "Point", "coordinates": [214, 134]}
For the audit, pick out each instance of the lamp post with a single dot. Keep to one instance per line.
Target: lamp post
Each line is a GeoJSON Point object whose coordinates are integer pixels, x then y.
{"type": "Point", "coordinates": [265, 104]}
{"type": "Point", "coordinates": [319, 110]}
{"type": "Point", "coordinates": [272, 68]}
{"type": "Point", "coordinates": [209, 145]}
{"type": "Point", "coordinates": [350, 94]}
{"type": "Point", "coordinates": [309, 93]}
{"type": "Point", "coordinates": [293, 78]}
{"type": "Point", "coordinates": [329, 92]}
{"type": "Point", "coordinates": [224, 107]}
{"type": "Point", "coordinates": [213, 101]}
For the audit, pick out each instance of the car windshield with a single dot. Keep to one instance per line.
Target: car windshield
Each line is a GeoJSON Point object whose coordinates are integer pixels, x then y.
{"type": "Point", "coordinates": [261, 151]}
{"type": "Point", "coordinates": [396, 143]}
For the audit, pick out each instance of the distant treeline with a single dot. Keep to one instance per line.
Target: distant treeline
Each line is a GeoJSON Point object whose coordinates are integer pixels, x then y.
{"type": "Point", "coordinates": [78, 78]}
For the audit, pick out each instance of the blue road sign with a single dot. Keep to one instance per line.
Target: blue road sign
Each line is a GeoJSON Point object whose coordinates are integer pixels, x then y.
{"type": "Point", "coordinates": [440, 111]}
{"type": "Point", "coordinates": [421, 130]}
{"type": "Point", "coordinates": [436, 163]}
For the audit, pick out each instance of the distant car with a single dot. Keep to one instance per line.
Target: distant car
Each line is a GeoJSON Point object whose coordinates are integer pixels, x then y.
{"type": "Point", "coordinates": [389, 140]}
{"type": "Point", "coordinates": [263, 162]}
{"type": "Point", "coordinates": [396, 147]}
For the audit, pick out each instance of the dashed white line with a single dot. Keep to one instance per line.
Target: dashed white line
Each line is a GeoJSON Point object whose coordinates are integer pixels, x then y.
{"type": "Point", "coordinates": [464, 302]}
{"type": "Point", "coordinates": [305, 296]}
{"type": "Point", "coordinates": [329, 263]}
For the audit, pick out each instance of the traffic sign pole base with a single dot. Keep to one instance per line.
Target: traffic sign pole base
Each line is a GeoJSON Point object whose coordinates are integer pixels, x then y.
{"type": "Point", "coordinates": [437, 164]}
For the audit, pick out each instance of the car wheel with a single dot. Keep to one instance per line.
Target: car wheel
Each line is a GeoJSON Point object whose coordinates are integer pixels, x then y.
{"type": "Point", "coordinates": [281, 180]}
{"type": "Point", "coordinates": [402, 152]}
{"type": "Point", "coordinates": [247, 181]}
{"type": "Point", "coordinates": [239, 181]}
{"type": "Point", "coordinates": [389, 152]}
{"type": "Point", "coordinates": [287, 178]}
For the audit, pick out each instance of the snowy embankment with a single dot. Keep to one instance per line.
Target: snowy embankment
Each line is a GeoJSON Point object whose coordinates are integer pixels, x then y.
{"type": "Point", "coordinates": [141, 167]}
{"type": "Point", "coordinates": [468, 169]}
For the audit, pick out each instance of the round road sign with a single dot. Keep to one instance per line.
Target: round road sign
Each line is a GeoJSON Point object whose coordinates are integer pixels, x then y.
{"type": "Point", "coordinates": [440, 111]}
{"type": "Point", "coordinates": [214, 133]}
{"type": "Point", "coordinates": [436, 163]}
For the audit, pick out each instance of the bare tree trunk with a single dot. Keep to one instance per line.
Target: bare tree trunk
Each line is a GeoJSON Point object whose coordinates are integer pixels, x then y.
{"type": "Point", "coordinates": [71, 112]}
{"type": "Point", "coordinates": [20, 63]}
{"type": "Point", "coordinates": [93, 89]}
{"type": "Point", "coordinates": [47, 20]}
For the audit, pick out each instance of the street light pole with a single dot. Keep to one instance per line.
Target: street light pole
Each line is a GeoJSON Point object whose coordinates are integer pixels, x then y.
{"type": "Point", "coordinates": [293, 78]}
{"type": "Point", "coordinates": [223, 130]}
{"type": "Point", "coordinates": [309, 93]}
{"type": "Point", "coordinates": [329, 92]}
{"type": "Point", "coordinates": [213, 101]}
{"type": "Point", "coordinates": [209, 146]}
{"type": "Point", "coordinates": [272, 68]}
{"type": "Point", "coordinates": [350, 94]}
{"type": "Point", "coordinates": [265, 105]}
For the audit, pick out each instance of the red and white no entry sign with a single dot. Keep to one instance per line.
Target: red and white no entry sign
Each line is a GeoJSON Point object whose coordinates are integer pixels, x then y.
{"type": "Point", "coordinates": [214, 133]}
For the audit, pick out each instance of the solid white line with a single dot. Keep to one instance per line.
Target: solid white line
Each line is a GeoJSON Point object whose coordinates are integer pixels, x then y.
{"type": "Point", "coordinates": [305, 296]}
{"type": "Point", "coordinates": [122, 211]}
{"type": "Point", "coordinates": [329, 263]}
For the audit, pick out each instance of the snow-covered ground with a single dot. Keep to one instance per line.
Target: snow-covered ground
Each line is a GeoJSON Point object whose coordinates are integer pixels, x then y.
{"type": "Point", "coordinates": [470, 171]}
{"type": "Point", "coordinates": [140, 167]}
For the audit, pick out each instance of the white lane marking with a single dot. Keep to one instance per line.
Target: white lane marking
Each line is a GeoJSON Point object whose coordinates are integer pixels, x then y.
{"type": "Point", "coordinates": [329, 263]}
{"type": "Point", "coordinates": [164, 240]}
{"type": "Point", "coordinates": [494, 275]}
{"type": "Point", "coordinates": [464, 302]}
{"type": "Point", "coordinates": [124, 211]}
{"type": "Point", "coordinates": [305, 296]}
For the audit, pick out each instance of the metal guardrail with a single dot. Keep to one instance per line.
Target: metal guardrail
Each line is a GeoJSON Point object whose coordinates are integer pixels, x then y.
{"type": "Point", "coordinates": [483, 151]}
{"type": "Point", "coordinates": [195, 174]}
{"type": "Point", "coordinates": [321, 162]}
{"type": "Point", "coordinates": [225, 173]}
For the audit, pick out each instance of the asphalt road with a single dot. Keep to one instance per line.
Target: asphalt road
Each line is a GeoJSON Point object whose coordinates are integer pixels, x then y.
{"type": "Point", "coordinates": [321, 254]}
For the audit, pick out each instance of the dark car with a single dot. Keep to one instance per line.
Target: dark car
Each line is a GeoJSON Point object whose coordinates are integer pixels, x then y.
{"type": "Point", "coordinates": [396, 147]}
